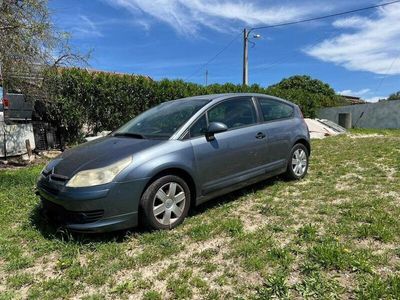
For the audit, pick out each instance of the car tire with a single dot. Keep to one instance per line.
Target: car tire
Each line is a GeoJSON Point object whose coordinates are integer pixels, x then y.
{"type": "Point", "coordinates": [165, 203]}
{"type": "Point", "coordinates": [297, 166]}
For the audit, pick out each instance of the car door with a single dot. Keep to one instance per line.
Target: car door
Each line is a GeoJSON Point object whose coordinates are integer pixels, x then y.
{"type": "Point", "coordinates": [234, 155]}
{"type": "Point", "coordinates": [279, 123]}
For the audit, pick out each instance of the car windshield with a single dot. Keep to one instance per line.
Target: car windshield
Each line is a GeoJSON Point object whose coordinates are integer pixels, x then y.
{"type": "Point", "coordinates": [161, 121]}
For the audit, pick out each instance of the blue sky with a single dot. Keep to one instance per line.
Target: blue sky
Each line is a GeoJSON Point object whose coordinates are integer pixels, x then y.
{"type": "Point", "coordinates": [356, 54]}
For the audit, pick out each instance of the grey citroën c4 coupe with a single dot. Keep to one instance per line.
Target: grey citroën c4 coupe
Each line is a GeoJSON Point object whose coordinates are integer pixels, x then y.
{"type": "Point", "coordinates": [177, 154]}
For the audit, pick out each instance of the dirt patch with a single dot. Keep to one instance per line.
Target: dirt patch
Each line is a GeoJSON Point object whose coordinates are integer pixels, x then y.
{"type": "Point", "coordinates": [45, 267]}
{"type": "Point", "coordinates": [364, 136]}
{"type": "Point", "coordinates": [188, 256]}
{"type": "Point", "coordinates": [18, 163]}
{"type": "Point", "coordinates": [376, 246]}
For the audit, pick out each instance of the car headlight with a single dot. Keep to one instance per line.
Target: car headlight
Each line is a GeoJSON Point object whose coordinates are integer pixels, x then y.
{"type": "Point", "coordinates": [98, 176]}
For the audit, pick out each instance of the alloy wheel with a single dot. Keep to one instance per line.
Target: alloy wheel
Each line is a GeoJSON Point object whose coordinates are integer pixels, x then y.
{"type": "Point", "coordinates": [169, 203]}
{"type": "Point", "coordinates": [299, 162]}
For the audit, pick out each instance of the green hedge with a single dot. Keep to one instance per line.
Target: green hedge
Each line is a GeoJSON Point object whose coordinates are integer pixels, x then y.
{"type": "Point", "coordinates": [105, 101]}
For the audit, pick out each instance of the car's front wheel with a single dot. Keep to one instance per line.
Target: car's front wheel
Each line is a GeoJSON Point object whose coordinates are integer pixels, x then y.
{"type": "Point", "coordinates": [298, 162]}
{"type": "Point", "coordinates": [166, 201]}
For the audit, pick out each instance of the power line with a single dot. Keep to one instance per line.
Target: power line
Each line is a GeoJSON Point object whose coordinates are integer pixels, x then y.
{"type": "Point", "coordinates": [378, 88]}
{"type": "Point", "coordinates": [385, 75]}
{"type": "Point", "coordinates": [289, 54]}
{"type": "Point", "coordinates": [287, 24]}
{"type": "Point", "coordinates": [215, 56]}
{"type": "Point", "coordinates": [326, 16]}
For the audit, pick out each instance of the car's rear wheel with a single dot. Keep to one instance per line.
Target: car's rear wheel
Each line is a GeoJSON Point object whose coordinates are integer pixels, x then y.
{"type": "Point", "coordinates": [166, 202]}
{"type": "Point", "coordinates": [298, 162]}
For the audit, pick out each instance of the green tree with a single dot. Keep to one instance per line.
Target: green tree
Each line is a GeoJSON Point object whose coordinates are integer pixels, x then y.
{"type": "Point", "coordinates": [310, 94]}
{"type": "Point", "coordinates": [29, 43]}
{"type": "Point", "coordinates": [307, 84]}
{"type": "Point", "coordinates": [394, 96]}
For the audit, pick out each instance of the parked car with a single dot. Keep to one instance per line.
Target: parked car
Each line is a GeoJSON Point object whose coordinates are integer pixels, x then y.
{"type": "Point", "coordinates": [175, 155]}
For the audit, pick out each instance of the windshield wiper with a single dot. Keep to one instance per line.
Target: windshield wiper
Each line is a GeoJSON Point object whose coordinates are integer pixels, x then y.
{"type": "Point", "coordinates": [130, 134]}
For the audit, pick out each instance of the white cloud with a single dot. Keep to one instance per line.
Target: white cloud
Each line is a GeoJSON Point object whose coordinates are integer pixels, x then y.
{"type": "Point", "coordinates": [372, 45]}
{"type": "Point", "coordinates": [375, 99]}
{"type": "Point", "coordinates": [365, 94]}
{"type": "Point", "coordinates": [83, 27]}
{"type": "Point", "coordinates": [351, 22]}
{"type": "Point", "coordinates": [354, 93]}
{"type": "Point", "coordinates": [187, 17]}
{"type": "Point", "coordinates": [142, 23]}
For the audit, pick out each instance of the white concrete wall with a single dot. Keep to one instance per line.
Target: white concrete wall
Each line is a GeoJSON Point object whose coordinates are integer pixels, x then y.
{"type": "Point", "coordinates": [385, 114]}
{"type": "Point", "coordinates": [15, 136]}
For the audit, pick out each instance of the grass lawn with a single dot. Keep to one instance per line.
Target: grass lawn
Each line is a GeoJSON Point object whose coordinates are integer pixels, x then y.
{"type": "Point", "coordinates": [334, 234]}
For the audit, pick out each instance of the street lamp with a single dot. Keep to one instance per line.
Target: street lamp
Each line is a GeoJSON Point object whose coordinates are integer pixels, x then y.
{"type": "Point", "coordinates": [246, 39]}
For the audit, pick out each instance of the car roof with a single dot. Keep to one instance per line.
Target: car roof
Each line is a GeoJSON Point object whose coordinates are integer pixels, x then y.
{"type": "Point", "coordinates": [220, 97]}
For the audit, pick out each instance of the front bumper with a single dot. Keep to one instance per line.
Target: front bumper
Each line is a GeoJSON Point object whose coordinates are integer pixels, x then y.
{"type": "Point", "coordinates": [102, 208]}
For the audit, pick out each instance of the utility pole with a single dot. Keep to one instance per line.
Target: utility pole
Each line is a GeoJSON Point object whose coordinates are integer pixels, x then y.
{"type": "Point", "coordinates": [206, 77]}
{"type": "Point", "coordinates": [246, 40]}
{"type": "Point", "coordinates": [245, 56]}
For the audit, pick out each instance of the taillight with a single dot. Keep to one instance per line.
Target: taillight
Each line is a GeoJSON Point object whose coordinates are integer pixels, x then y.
{"type": "Point", "coordinates": [6, 103]}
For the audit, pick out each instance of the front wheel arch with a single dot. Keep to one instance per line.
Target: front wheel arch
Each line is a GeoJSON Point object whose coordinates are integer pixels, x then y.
{"type": "Point", "coordinates": [180, 173]}
{"type": "Point", "coordinates": [150, 197]}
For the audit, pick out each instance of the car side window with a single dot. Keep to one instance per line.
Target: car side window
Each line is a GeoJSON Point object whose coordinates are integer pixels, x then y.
{"type": "Point", "coordinates": [199, 127]}
{"type": "Point", "coordinates": [275, 110]}
{"type": "Point", "coordinates": [234, 113]}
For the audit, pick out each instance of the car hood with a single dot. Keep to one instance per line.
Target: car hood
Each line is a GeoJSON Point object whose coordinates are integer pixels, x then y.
{"type": "Point", "coordinates": [99, 153]}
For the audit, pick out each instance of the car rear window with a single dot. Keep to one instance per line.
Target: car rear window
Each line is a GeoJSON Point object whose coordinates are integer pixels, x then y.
{"type": "Point", "coordinates": [275, 110]}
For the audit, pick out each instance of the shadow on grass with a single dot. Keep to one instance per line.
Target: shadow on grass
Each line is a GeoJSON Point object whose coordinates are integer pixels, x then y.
{"type": "Point", "coordinates": [53, 231]}
{"type": "Point", "coordinates": [232, 196]}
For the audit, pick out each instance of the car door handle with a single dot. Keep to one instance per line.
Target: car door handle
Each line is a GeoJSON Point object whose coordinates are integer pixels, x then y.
{"type": "Point", "coordinates": [260, 135]}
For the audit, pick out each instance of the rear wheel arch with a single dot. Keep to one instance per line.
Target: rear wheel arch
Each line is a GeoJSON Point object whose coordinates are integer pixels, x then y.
{"type": "Point", "coordinates": [298, 162]}
{"type": "Point", "coordinates": [305, 143]}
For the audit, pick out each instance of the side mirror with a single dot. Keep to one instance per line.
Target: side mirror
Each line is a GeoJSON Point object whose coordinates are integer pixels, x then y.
{"type": "Point", "coordinates": [213, 128]}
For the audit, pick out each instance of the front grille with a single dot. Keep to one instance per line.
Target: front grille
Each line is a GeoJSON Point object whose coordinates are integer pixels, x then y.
{"type": "Point", "coordinates": [50, 190]}
{"type": "Point", "coordinates": [58, 177]}
{"type": "Point", "coordinates": [46, 172]}
{"type": "Point", "coordinates": [60, 214]}
{"type": "Point", "coordinates": [54, 177]}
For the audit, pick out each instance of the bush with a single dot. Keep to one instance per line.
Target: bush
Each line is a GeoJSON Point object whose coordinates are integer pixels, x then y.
{"type": "Point", "coordinates": [105, 101]}
{"type": "Point", "coordinates": [394, 96]}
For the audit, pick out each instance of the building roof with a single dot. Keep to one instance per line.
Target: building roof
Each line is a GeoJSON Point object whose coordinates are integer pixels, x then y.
{"type": "Point", "coordinates": [353, 99]}
{"type": "Point", "coordinates": [96, 71]}
{"type": "Point", "coordinates": [35, 73]}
